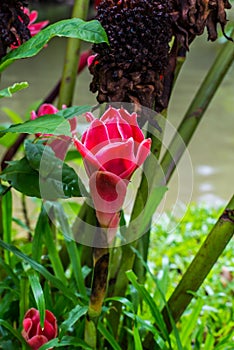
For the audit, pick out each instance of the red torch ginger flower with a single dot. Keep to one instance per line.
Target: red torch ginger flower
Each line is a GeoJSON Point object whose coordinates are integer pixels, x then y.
{"type": "Point", "coordinates": [60, 143]}
{"type": "Point", "coordinates": [113, 147]}
{"type": "Point", "coordinates": [32, 332]}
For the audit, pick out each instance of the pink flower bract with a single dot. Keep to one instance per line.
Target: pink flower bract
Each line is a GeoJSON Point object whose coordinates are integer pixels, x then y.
{"type": "Point", "coordinates": [32, 332]}
{"type": "Point", "coordinates": [112, 147]}
{"type": "Point", "coordinates": [59, 144]}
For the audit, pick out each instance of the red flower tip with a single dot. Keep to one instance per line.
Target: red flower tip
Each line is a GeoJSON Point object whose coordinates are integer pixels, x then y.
{"type": "Point", "coordinates": [32, 332]}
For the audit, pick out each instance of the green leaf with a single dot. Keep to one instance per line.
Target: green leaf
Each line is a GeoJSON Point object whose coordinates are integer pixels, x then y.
{"type": "Point", "coordinates": [66, 341]}
{"type": "Point", "coordinates": [15, 334]}
{"type": "Point", "coordinates": [7, 92]}
{"type": "Point", "coordinates": [72, 248]}
{"type": "Point", "coordinates": [38, 295]}
{"type": "Point", "coordinates": [9, 272]}
{"type": "Point", "coordinates": [74, 111]}
{"type": "Point", "coordinates": [74, 315]}
{"type": "Point", "coordinates": [91, 31]}
{"type": "Point", "coordinates": [41, 174]}
{"type": "Point", "coordinates": [108, 336]}
{"type": "Point", "coordinates": [41, 269]}
{"type": "Point", "coordinates": [150, 302]}
{"type": "Point", "coordinates": [38, 236]}
{"type": "Point", "coordinates": [190, 323]}
{"type": "Point", "coordinates": [52, 124]}
{"type": "Point", "coordinates": [7, 222]}
{"type": "Point", "coordinates": [136, 336]}
{"type": "Point", "coordinates": [175, 330]}
{"type": "Point", "coordinates": [53, 251]}
{"type": "Point", "coordinates": [22, 177]}
{"type": "Point", "coordinates": [46, 124]}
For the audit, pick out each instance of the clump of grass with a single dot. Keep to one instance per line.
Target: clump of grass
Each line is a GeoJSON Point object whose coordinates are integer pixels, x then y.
{"type": "Point", "coordinates": [208, 323]}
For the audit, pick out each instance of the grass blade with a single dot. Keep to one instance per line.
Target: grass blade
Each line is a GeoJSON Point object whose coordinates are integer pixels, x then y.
{"type": "Point", "coordinates": [108, 336]}
{"type": "Point", "coordinates": [38, 295]}
{"type": "Point", "coordinates": [41, 269]}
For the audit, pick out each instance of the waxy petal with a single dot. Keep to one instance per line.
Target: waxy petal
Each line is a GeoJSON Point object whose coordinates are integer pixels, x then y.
{"type": "Point", "coordinates": [91, 162]}
{"type": "Point", "coordinates": [143, 151]}
{"type": "Point", "coordinates": [131, 119]}
{"type": "Point", "coordinates": [108, 193]}
{"type": "Point", "coordinates": [46, 108]}
{"type": "Point", "coordinates": [37, 341]}
{"type": "Point", "coordinates": [117, 157]}
{"type": "Point", "coordinates": [96, 136]}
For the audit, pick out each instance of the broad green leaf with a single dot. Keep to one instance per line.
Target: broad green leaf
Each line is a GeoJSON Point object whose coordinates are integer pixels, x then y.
{"type": "Point", "coordinates": [42, 270]}
{"type": "Point", "coordinates": [41, 174]}
{"type": "Point", "coordinates": [8, 139]}
{"type": "Point", "coordinates": [22, 177]}
{"type": "Point", "coordinates": [52, 124]}
{"type": "Point", "coordinates": [38, 295]}
{"type": "Point", "coordinates": [91, 31]}
{"type": "Point", "coordinates": [7, 92]}
{"type": "Point", "coordinates": [46, 124]}
{"type": "Point", "coordinates": [73, 111]}
{"type": "Point", "coordinates": [74, 315]}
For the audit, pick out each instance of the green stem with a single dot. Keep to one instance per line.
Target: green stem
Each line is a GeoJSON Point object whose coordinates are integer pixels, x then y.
{"type": "Point", "coordinates": [201, 265]}
{"type": "Point", "coordinates": [197, 109]}
{"type": "Point", "coordinates": [80, 10]}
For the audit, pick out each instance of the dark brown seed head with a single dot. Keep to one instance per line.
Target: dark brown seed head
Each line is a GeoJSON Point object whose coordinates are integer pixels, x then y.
{"type": "Point", "coordinates": [13, 24]}
{"type": "Point", "coordinates": [139, 33]}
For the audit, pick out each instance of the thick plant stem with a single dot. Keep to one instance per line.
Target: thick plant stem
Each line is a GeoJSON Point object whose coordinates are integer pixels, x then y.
{"type": "Point", "coordinates": [201, 265]}
{"type": "Point", "coordinates": [98, 292]}
{"type": "Point", "coordinates": [68, 81]}
{"type": "Point", "coordinates": [197, 109]}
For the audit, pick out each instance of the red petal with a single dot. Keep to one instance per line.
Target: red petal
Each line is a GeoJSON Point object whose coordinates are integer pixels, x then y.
{"type": "Point", "coordinates": [91, 162]}
{"type": "Point", "coordinates": [36, 342]}
{"type": "Point", "coordinates": [49, 330]}
{"type": "Point", "coordinates": [96, 136]}
{"type": "Point", "coordinates": [117, 157]}
{"type": "Point", "coordinates": [131, 119]}
{"type": "Point", "coordinates": [46, 108]}
{"type": "Point", "coordinates": [143, 152]}
{"type": "Point", "coordinates": [108, 192]}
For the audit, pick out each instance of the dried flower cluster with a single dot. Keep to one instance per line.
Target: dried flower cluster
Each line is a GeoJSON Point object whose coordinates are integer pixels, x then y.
{"type": "Point", "coordinates": [139, 33]}
{"type": "Point", "coordinates": [192, 17]}
{"type": "Point", "coordinates": [13, 24]}
{"type": "Point", "coordinates": [139, 64]}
